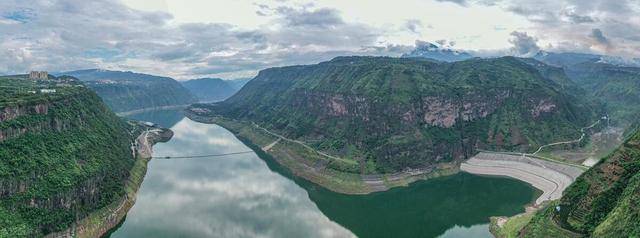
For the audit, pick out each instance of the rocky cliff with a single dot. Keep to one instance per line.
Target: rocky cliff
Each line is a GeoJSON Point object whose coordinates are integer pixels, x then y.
{"type": "Point", "coordinates": [62, 156]}
{"type": "Point", "coordinates": [390, 114]}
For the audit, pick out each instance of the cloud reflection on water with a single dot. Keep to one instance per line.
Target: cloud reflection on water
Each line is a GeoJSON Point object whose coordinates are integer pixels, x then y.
{"type": "Point", "coordinates": [233, 196]}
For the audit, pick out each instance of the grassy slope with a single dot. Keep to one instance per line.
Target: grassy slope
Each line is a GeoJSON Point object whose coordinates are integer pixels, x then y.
{"type": "Point", "coordinates": [81, 145]}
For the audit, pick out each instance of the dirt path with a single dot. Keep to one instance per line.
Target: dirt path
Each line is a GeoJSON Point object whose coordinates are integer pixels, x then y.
{"type": "Point", "coordinates": [582, 130]}
{"type": "Point", "coordinates": [305, 145]}
{"type": "Point", "coordinates": [269, 146]}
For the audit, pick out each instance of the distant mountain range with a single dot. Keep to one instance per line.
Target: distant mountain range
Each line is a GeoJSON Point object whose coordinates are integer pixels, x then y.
{"type": "Point", "coordinates": [567, 59]}
{"type": "Point", "coordinates": [210, 89]}
{"type": "Point", "coordinates": [432, 51]}
{"type": "Point", "coordinates": [126, 91]}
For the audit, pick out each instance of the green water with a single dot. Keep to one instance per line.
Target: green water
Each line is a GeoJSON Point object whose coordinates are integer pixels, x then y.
{"type": "Point", "coordinates": [251, 196]}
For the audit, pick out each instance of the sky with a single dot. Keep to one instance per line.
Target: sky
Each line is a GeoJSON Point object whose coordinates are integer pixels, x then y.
{"type": "Point", "coordinates": [187, 39]}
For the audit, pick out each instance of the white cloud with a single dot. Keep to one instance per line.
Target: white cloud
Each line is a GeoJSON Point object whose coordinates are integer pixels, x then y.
{"type": "Point", "coordinates": [197, 38]}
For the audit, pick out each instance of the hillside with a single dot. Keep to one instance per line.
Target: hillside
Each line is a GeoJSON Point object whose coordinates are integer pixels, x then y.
{"type": "Point", "coordinates": [618, 86]}
{"type": "Point", "coordinates": [63, 156]}
{"type": "Point", "coordinates": [603, 202]}
{"type": "Point", "coordinates": [614, 82]}
{"type": "Point", "coordinates": [127, 91]}
{"type": "Point", "coordinates": [238, 83]}
{"type": "Point", "coordinates": [391, 114]}
{"type": "Point", "coordinates": [210, 89]}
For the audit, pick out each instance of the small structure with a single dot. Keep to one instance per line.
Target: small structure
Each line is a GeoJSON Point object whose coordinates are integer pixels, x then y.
{"type": "Point", "coordinates": [46, 90]}
{"type": "Point", "coordinates": [38, 75]}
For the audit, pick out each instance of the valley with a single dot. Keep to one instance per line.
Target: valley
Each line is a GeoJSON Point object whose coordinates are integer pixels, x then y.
{"type": "Point", "coordinates": [319, 119]}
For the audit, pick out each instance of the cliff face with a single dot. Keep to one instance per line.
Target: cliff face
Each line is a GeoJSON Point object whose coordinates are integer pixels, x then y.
{"type": "Point", "coordinates": [399, 113]}
{"type": "Point", "coordinates": [60, 159]}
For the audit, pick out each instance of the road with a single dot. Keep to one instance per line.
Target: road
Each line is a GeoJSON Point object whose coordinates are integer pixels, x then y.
{"type": "Point", "coordinates": [304, 145]}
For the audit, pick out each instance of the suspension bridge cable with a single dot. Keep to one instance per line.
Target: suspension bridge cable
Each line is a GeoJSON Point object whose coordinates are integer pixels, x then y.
{"type": "Point", "coordinates": [202, 156]}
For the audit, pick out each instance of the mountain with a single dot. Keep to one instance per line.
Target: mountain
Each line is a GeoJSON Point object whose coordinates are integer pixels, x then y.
{"type": "Point", "coordinates": [63, 156]}
{"type": "Point", "coordinates": [616, 85]}
{"type": "Point", "coordinates": [238, 83]}
{"type": "Point", "coordinates": [565, 59]}
{"type": "Point", "coordinates": [432, 51]}
{"type": "Point", "coordinates": [210, 89]}
{"type": "Point", "coordinates": [127, 91]}
{"type": "Point", "coordinates": [602, 202]}
{"type": "Point", "coordinates": [391, 114]}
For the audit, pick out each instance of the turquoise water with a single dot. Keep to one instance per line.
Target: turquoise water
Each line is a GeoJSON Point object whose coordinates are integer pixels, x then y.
{"type": "Point", "coordinates": [250, 196]}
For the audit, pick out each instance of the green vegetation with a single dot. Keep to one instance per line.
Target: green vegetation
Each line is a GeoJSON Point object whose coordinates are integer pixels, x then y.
{"type": "Point", "coordinates": [128, 91]}
{"type": "Point", "coordinates": [62, 156]}
{"type": "Point", "coordinates": [603, 202]}
{"type": "Point", "coordinates": [389, 114]}
{"type": "Point", "coordinates": [617, 86]}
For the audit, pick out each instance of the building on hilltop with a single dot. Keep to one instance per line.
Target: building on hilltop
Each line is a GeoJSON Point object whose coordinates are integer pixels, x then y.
{"type": "Point", "coordinates": [39, 75]}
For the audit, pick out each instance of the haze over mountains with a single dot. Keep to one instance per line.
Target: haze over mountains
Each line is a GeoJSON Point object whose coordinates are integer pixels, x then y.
{"type": "Point", "coordinates": [127, 91]}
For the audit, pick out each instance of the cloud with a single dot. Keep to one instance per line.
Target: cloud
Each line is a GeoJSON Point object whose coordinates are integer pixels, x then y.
{"type": "Point", "coordinates": [523, 44]}
{"type": "Point", "coordinates": [323, 17]}
{"type": "Point", "coordinates": [562, 23]}
{"type": "Point", "coordinates": [414, 25]}
{"type": "Point", "coordinates": [459, 2]}
{"type": "Point", "coordinates": [600, 39]}
{"type": "Point", "coordinates": [46, 35]}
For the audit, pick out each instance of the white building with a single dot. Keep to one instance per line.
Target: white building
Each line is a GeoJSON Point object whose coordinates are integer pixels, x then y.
{"type": "Point", "coordinates": [39, 75]}
{"type": "Point", "coordinates": [46, 90]}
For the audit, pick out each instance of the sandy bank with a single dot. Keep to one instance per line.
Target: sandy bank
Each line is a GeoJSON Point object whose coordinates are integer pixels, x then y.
{"type": "Point", "coordinates": [549, 177]}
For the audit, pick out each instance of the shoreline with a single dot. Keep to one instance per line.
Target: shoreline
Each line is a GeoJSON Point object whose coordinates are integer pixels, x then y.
{"type": "Point", "coordinates": [150, 109]}
{"type": "Point", "coordinates": [549, 177]}
{"type": "Point", "coordinates": [103, 220]}
{"type": "Point", "coordinates": [305, 162]}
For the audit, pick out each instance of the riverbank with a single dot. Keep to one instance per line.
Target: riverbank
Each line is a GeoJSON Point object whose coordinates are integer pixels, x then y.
{"type": "Point", "coordinates": [98, 223]}
{"type": "Point", "coordinates": [319, 167]}
{"type": "Point", "coordinates": [149, 109]}
{"type": "Point", "coordinates": [550, 177]}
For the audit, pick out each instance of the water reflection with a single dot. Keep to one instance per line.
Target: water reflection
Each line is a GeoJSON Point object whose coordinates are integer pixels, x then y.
{"type": "Point", "coordinates": [247, 196]}
{"type": "Point", "coordinates": [165, 118]}
{"type": "Point", "coordinates": [235, 196]}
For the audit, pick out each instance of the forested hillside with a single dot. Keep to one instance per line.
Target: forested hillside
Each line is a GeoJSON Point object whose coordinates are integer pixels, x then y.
{"type": "Point", "coordinates": [63, 155]}
{"type": "Point", "coordinates": [127, 91]}
{"type": "Point", "coordinates": [614, 83]}
{"type": "Point", "coordinates": [389, 114]}
{"type": "Point", "coordinates": [603, 202]}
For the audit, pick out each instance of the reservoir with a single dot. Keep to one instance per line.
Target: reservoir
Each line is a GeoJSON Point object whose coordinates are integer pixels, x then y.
{"type": "Point", "coordinates": [249, 195]}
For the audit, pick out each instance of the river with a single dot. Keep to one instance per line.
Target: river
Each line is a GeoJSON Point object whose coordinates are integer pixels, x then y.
{"type": "Point", "coordinates": [249, 196]}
